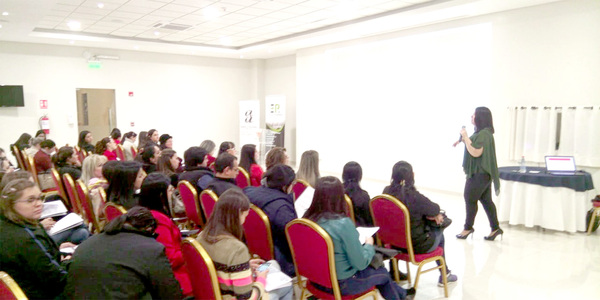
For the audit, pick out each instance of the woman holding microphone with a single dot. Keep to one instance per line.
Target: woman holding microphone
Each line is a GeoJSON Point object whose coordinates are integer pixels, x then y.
{"type": "Point", "coordinates": [481, 168]}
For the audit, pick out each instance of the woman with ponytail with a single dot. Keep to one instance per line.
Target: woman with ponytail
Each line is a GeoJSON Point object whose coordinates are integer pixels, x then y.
{"type": "Point", "coordinates": [425, 238]}
{"type": "Point", "coordinates": [352, 175]}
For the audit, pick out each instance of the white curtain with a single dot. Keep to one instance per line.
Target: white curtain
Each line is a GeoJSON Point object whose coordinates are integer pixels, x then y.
{"type": "Point", "coordinates": [583, 140]}
{"type": "Point", "coordinates": [533, 133]}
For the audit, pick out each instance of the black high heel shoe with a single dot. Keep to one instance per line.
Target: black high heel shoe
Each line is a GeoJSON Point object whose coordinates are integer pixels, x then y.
{"type": "Point", "coordinates": [463, 237]}
{"type": "Point", "coordinates": [494, 234]}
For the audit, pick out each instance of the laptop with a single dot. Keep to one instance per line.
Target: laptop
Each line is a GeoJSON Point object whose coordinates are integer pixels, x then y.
{"type": "Point", "coordinates": [560, 165]}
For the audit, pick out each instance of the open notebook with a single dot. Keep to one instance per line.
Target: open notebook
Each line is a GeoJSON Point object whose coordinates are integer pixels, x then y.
{"type": "Point", "coordinates": [71, 220]}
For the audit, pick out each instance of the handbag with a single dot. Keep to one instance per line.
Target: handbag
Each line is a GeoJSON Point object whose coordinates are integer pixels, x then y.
{"type": "Point", "coordinates": [382, 254]}
{"type": "Point", "coordinates": [445, 223]}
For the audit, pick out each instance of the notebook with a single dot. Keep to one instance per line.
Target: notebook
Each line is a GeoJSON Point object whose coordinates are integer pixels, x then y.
{"type": "Point", "coordinates": [560, 165]}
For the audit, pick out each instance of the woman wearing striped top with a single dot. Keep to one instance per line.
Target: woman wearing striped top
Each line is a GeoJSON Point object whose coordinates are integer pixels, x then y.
{"type": "Point", "coordinates": [222, 240]}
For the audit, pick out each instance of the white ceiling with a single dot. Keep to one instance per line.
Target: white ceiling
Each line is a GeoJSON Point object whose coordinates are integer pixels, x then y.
{"type": "Point", "coordinates": [226, 28]}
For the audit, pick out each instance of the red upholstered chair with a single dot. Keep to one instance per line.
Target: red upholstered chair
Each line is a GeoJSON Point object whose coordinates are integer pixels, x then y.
{"type": "Point", "coordinates": [119, 152]}
{"type": "Point", "coordinates": [189, 196]}
{"type": "Point", "coordinates": [60, 188]}
{"type": "Point", "coordinates": [71, 191]}
{"type": "Point", "coordinates": [257, 230]}
{"type": "Point", "coordinates": [243, 178]}
{"type": "Point", "coordinates": [203, 274]}
{"type": "Point", "coordinates": [393, 220]}
{"type": "Point", "coordinates": [133, 152]}
{"type": "Point", "coordinates": [19, 156]}
{"type": "Point", "coordinates": [9, 289]}
{"type": "Point", "coordinates": [113, 211]}
{"type": "Point", "coordinates": [350, 208]}
{"type": "Point", "coordinates": [25, 158]}
{"type": "Point", "coordinates": [34, 174]}
{"type": "Point", "coordinates": [86, 206]}
{"type": "Point", "coordinates": [298, 188]}
{"type": "Point", "coordinates": [312, 251]}
{"type": "Point", "coordinates": [208, 199]}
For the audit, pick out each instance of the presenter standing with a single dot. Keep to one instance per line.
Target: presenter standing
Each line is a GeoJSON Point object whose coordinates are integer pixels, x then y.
{"type": "Point", "coordinates": [479, 164]}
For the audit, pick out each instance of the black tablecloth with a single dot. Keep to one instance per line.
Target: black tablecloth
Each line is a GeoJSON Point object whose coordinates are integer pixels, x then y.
{"type": "Point", "coordinates": [580, 182]}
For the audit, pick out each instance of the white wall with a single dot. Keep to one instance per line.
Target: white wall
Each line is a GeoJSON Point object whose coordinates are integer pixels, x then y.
{"type": "Point", "coordinates": [191, 98]}
{"type": "Point", "coordinates": [404, 95]}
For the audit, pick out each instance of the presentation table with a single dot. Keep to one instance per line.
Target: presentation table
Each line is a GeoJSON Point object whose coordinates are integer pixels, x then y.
{"type": "Point", "coordinates": [536, 198]}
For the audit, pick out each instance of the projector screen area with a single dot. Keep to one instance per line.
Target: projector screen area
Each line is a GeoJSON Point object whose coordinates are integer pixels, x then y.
{"type": "Point", "coordinates": [404, 98]}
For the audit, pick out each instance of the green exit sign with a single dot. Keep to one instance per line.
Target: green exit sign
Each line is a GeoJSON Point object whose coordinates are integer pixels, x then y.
{"type": "Point", "coordinates": [94, 64]}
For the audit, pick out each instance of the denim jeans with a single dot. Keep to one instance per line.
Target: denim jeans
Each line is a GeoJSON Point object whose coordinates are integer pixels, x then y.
{"type": "Point", "coordinates": [365, 279]}
{"type": "Point", "coordinates": [74, 235]}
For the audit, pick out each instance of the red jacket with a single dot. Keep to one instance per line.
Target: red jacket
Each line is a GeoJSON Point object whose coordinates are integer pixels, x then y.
{"type": "Point", "coordinates": [110, 155]}
{"type": "Point", "coordinates": [256, 173]}
{"type": "Point", "coordinates": [170, 237]}
{"type": "Point", "coordinates": [43, 162]}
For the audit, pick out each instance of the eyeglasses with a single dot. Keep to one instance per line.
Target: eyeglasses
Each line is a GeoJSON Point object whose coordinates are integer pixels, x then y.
{"type": "Point", "coordinates": [32, 201]}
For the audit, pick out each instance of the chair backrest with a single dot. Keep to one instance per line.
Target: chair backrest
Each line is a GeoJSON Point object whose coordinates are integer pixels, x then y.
{"type": "Point", "coordinates": [257, 229]}
{"type": "Point", "coordinates": [33, 171]}
{"type": "Point", "coordinates": [133, 152]}
{"type": "Point", "coordinates": [243, 178]}
{"type": "Point", "coordinates": [113, 211]}
{"type": "Point", "coordinates": [120, 154]}
{"type": "Point", "coordinates": [60, 187]}
{"type": "Point", "coordinates": [189, 196]}
{"type": "Point", "coordinates": [350, 208]}
{"type": "Point", "coordinates": [298, 188]}
{"type": "Point", "coordinates": [86, 205]}
{"type": "Point", "coordinates": [393, 220]}
{"type": "Point", "coordinates": [208, 199]}
{"type": "Point", "coordinates": [71, 191]}
{"type": "Point", "coordinates": [81, 154]}
{"type": "Point", "coordinates": [25, 158]}
{"type": "Point", "coordinates": [9, 289]}
{"type": "Point", "coordinates": [312, 251]}
{"type": "Point", "coordinates": [201, 269]}
{"type": "Point", "coordinates": [18, 156]}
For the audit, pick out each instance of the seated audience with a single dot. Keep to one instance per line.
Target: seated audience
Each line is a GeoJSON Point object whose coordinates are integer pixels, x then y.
{"type": "Point", "coordinates": [149, 157]}
{"type": "Point", "coordinates": [352, 175]}
{"type": "Point", "coordinates": [222, 239]}
{"type": "Point", "coordinates": [153, 136]}
{"type": "Point", "coordinates": [42, 158]}
{"type": "Point", "coordinates": [423, 213]}
{"type": "Point", "coordinates": [40, 134]}
{"type": "Point", "coordinates": [228, 147]}
{"type": "Point", "coordinates": [276, 156]}
{"type": "Point", "coordinates": [35, 147]}
{"type": "Point", "coordinates": [275, 200]}
{"type": "Point", "coordinates": [123, 262]}
{"type": "Point", "coordinates": [155, 195]}
{"type": "Point", "coordinates": [248, 161]}
{"type": "Point", "coordinates": [352, 259]}
{"type": "Point", "coordinates": [91, 171]}
{"type": "Point", "coordinates": [144, 139]}
{"type": "Point", "coordinates": [128, 143]}
{"type": "Point", "coordinates": [28, 254]}
{"type": "Point", "coordinates": [5, 164]}
{"type": "Point", "coordinates": [209, 146]}
{"type": "Point", "coordinates": [67, 161]}
{"type": "Point", "coordinates": [22, 143]}
{"type": "Point", "coordinates": [124, 183]}
{"type": "Point", "coordinates": [166, 141]}
{"type": "Point", "coordinates": [309, 167]}
{"type": "Point", "coordinates": [226, 169]}
{"type": "Point", "coordinates": [168, 163]}
{"type": "Point", "coordinates": [195, 166]}
{"type": "Point", "coordinates": [107, 147]}
{"type": "Point", "coordinates": [115, 134]}
{"type": "Point", "coordinates": [85, 141]}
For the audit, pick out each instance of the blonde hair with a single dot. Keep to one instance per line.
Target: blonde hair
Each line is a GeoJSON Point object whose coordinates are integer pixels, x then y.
{"type": "Point", "coordinates": [309, 167]}
{"type": "Point", "coordinates": [10, 194]}
{"type": "Point", "coordinates": [89, 165]}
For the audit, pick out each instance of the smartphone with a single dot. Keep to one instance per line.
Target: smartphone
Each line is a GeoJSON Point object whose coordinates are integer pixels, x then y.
{"type": "Point", "coordinates": [263, 267]}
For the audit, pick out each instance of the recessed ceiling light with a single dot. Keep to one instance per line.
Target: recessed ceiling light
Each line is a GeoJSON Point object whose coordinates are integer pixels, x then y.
{"type": "Point", "coordinates": [0, 25]}
{"type": "Point", "coordinates": [136, 47]}
{"type": "Point", "coordinates": [74, 25]}
{"type": "Point", "coordinates": [5, 13]}
{"type": "Point", "coordinates": [242, 56]}
{"type": "Point", "coordinates": [157, 33]}
{"type": "Point", "coordinates": [71, 42]}
{"type": "Point", "coordinates": [213, 12]}
{"type": "Point", "coordinates": [100, 5]}
{"type": "Point", "coordinates": [225, 40]}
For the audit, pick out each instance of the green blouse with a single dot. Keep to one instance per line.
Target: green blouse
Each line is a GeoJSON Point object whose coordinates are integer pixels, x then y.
{"type": "Point", "coordinates": [486, 163]}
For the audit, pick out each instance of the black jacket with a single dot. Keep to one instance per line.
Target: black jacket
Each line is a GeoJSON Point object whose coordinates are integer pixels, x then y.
{"type": "Point", "coordinates": [279, 207]}
{"type": "Point", "coordinates": [126, 265]}
{"type": "Point", "coordinates": [33, 262]}
{"type": "Point", "coordinates": [220, 185]}
{"type": "Point", "coordinates": [75, 172]}
{"type": "Point", "coordinates": [192, 175]}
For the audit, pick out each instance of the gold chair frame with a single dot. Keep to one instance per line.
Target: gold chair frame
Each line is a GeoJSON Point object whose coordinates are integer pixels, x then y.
{"type": "Point", "coordinates": [88, 201]}
{"type": "Point", "coordinates": [410, 250]}
{"type": "Point", "coordinates": [246, 174]}
{"type": "Point", "coordinates": [199, 212]}
{"type": "Point", "coordinates": [350, 206]}
{"type": "Point", "coordinates": [12, 286]}
{"type": "Point", "coordinates": [214, 196]}
{"type": "Point", "coordinates": [209, 263]}
{"type": "Point", "coordinates": [331, 257]}
{"type": "Point", "coordinates": [261, 214]}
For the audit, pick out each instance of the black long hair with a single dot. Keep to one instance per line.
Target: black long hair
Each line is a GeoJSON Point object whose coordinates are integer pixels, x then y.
{"type": "Point", "coordinates": [121, 182]}
{"type": "Point", "coordinates": [81, 142]}
{"type": "Point", "coordinates": [352, 175]}
{"type": "Point", "coordinates": [225, 146]}
{"type": "Point", "coordinates": [328, 201]}
{"type": "Point", "coordinates": [483, 119]}
{"type": "Point", "coordinates": [154, 194]}
{"type": "Point", "coordinates": [60, 158]}
{"type": "Point", "coordinates": [403, 181]}
{"type": "Point", "coordinates": [247, 156]}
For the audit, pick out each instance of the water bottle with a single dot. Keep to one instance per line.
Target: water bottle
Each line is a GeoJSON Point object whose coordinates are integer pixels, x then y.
{"type": "Point", "coordinates": [522, 168]}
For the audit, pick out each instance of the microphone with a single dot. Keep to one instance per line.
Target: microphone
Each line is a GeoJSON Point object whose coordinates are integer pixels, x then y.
{"type": "Point", "coordinates": [460, 135]}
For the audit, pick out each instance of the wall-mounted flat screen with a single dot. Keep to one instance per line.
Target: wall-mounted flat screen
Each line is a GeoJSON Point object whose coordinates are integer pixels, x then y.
{"type": "Point", "coordinates": [11, 95]}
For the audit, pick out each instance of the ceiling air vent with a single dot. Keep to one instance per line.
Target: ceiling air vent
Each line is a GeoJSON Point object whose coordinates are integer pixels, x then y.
{"type": "Point", "coordinates": [172, 26]}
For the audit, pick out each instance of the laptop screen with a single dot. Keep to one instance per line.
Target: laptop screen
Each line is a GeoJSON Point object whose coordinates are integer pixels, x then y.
{"type": "Point", "coordinates": [560, 163]}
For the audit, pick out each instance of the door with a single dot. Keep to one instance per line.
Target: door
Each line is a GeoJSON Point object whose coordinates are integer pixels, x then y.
{"type": "Point", "coordinates": [96, 112]}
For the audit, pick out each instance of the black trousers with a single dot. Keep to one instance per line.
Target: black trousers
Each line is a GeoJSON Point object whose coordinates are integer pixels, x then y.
{"type": "Point", "coordinates": [479, 188]}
